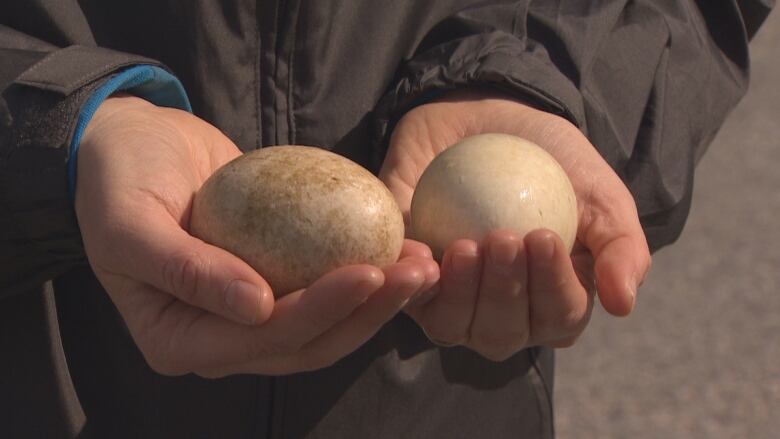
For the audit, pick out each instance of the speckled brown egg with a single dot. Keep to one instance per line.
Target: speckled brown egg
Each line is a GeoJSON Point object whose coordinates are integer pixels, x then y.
{"type": "Point", "coordinates": [294, 213]}
{"type": "Point", "coordinates": [488, 182]}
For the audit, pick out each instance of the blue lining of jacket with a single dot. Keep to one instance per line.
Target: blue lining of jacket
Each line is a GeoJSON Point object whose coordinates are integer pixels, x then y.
{"type": "Point", "coordinates": [152, 83]}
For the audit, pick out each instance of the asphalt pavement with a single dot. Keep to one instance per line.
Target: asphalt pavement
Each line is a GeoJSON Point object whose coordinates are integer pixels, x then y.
{"type": "Point", "coordinates": [700, 356]}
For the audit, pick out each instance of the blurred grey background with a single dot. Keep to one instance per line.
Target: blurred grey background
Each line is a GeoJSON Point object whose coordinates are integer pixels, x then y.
{"type": "Point", "coordinates": [700, 356]}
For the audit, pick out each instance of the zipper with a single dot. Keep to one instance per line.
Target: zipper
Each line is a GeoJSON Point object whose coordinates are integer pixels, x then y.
{"type": "Point", "coordinates": [277, 22]}
{"type": "Point", "coordinates": [276, 30]}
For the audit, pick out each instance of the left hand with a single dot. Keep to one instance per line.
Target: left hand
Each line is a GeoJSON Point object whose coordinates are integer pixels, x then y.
{"type": "Point", "coordinates": [511, 292]}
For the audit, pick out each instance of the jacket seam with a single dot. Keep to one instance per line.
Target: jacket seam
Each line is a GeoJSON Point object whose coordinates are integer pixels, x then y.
{"type": "Point", "coordinates": [82, 80]}
{"type": "Point", "coordinates": [278, 23]}
{"type": "Point", "coordinates": [543, 398]}
{"type": "Point", "coordinates": [258, 47]}
{"type": "Point", "coordinates": [417, 81]}
{"type": "Point", "coordinates": [515, 19]}
{"type": "Point", "coordinates": [403, 99]}
{"type": "Point", "coordinates": [291, 137]}
{"type": "Point", "coordinates": [257, 85]}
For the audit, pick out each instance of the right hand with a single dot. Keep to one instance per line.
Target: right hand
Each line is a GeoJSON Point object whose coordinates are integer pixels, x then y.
{"type": "Point", "coordinates": [195, 308]}
{"type": "Point", "coordinates": [510, 292]}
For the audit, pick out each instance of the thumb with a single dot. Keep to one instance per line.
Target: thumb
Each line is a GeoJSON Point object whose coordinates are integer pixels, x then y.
{"type": "Point", "coordinates": [619, 270]}
{"type": "Point", "coordinates": [165, 256]}
{"type": "Point", "coordinates": [622, 258]}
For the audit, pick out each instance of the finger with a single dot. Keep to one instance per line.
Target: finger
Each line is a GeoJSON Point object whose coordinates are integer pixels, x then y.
{"type": "Point", "coordinates": [583, 262]}
{"type": "Point", "coordinates": [153, 317]}
{"type": "Point", "coordinates": [415, 248]}
{"type": "Point", "coordinates": [174, 337]}
{"type": "Point", "coordinates": [159, 252]}
{"type": "Point", "coordinates": [416, 307]}
{"type": "Point", "coordinates": [500, 325]}
{"type": "Point", "coordinates": [308, 313]}
{"type": "Point", "coordinates": [614, 235]}
{"type": "Point", "coordinates": [421, 253]}
{"type": "Point", "coordinates": [446, 318]}
{"type": "Point", "coordinates": [560, 306]}
{"type": "Point", "coordinates": [430, 267]}
{"type": "Point", "coordinates": [563, 343]}
{"type": "Point", "coordinates": [403, 281]}
{"type": "Point", "coordinates": [215, 346]}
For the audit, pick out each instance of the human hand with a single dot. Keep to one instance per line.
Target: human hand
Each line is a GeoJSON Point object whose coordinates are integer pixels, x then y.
{"type": "Point", "coordinates": [193, 307]}
{"type": "Point", "coordinates": [509, 292]}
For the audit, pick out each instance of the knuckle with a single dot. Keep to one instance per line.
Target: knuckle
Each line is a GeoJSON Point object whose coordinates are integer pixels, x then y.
{"type": "Point", "coordinates": [565, 343]}
{"type": "Point", "coordinates": [257, 349]}
{"type": "Point", "coordinates": [315, 360]}
{"type": "Point", "coordinates": [163, 363]}
{"type": "Point", "coordinates": [564, 322]}
{"type": "Point", "coordinates": [648, 266]}
{"type": "Point", "coordinates": [574, 322]}
{"type": "Point", "coordinates": [160, 352]}
{"type": "Point", "coordinates": [503, 296]}
{"type": "Point", "coordinates": [437, 335]}
{"type": "Point", "coordinates": [497, 356]}
{"type": "Point", "coordinates": [100, 242]}
{"type": "Point", "coordinates": [326, 316]}
{"type": "Point", "coordinates": [499, 347]}
{"type": "Point", "coordinates": [182, 275]}
{"type": "Point", "coordinates": [211, 373]}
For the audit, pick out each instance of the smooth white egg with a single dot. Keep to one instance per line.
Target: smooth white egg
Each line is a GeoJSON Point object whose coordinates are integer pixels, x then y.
{"type": "Point", "coordinates": [488, 182]}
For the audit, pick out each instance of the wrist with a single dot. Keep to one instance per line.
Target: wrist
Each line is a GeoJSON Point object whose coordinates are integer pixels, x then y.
{"type": "Point", "coordinates": [155, 84]}
{"type": "Point", "coordinates": [494, 111]}
{"type": "Point", "coordinates": [116, 109]}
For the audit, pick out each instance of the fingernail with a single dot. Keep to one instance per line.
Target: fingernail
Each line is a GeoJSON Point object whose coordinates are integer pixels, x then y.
{"type": "Point", "coordinates": [243, 300]}
{"type": "Point", "coordinates": [502, 253]}
{"type": "Point", "coordinates": [463, 262]}
{"type": "Point", "coordinates": [631, 287]}
{"type": "Point", "coordinates": [369, 285]}
{"type": "Point", "coordinates": [639, 280]}
{"type": "Point", "coordinates": [412, 285]}
{"type": "Point", "coordinates": [425, 296]}
{"type": "Point", "coordinates": [410, 289]}
{"type": "Point", "coordinates": [546, 251]}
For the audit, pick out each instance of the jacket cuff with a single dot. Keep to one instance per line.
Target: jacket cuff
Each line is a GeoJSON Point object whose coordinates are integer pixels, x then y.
{"type": "Point", "coordinates": [149, 82]}
{"type": "Point", "coordinates": [39, 233]}
{"type": "Point", "coordinates": [495, 60]}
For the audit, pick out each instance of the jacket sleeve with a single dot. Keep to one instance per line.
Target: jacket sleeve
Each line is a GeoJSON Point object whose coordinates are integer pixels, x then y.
{"type": "Point", "coordinates": [49, 67]}
{"type": "Point", "coordinates": [648, 82]}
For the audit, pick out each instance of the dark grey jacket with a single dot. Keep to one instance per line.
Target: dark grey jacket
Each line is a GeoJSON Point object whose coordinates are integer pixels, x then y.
{"type": "Point", "coordinates": [649, 82]}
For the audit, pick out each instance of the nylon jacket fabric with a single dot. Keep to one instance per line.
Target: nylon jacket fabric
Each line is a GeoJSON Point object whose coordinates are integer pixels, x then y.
{"type": "Point", "coordinates": [648, 81]}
